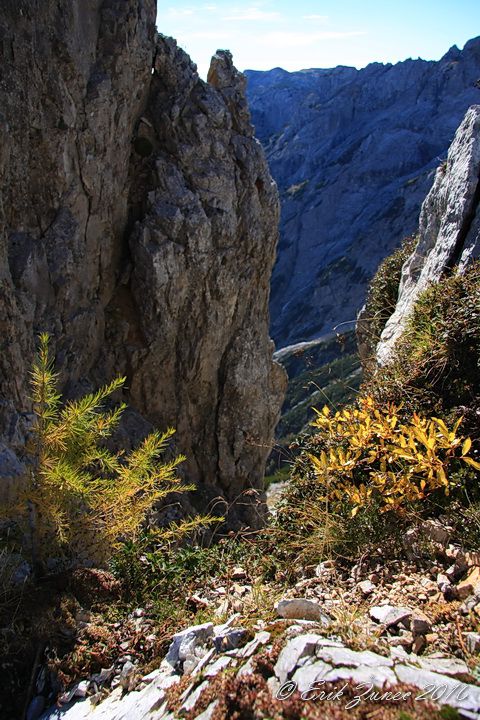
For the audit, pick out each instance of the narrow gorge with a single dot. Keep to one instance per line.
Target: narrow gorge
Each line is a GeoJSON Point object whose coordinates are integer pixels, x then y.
{"type": "Point", "coordinates": [148, 568]}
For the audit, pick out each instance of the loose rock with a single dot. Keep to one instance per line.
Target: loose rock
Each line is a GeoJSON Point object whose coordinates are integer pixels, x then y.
{"type": "Point", "coordinates": [302, 609]}
{"type": "Point", "coordinates": [389, 615]}
{"type": "Point", "coordinates": [185, 642]}
{"type": "Point", "coordinates": [366, 587]}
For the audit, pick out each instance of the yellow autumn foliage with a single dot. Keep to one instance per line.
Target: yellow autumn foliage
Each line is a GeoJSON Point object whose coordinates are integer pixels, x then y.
{"type": "Point", "coordinates": [367, 452]}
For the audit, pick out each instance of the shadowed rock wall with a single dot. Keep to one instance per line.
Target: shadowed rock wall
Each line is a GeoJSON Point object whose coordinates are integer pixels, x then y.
{"type": "Point", "coordinates": [138, 225]}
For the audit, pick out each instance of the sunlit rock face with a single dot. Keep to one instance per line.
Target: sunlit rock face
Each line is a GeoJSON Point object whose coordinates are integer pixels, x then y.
{"type": "Point", "coordinates": [449, 230]}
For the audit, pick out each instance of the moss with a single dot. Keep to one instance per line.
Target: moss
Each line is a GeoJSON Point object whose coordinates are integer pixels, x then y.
{"type": "Point", "coordinates": [383, 293]}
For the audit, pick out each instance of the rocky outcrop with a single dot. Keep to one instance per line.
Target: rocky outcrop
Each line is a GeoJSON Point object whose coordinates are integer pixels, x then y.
{"type": "Point", "coordinates": [354, 153]}
{"type": "Point", "coordinates": [306, 662]}
{"type": "Point", "coordinates": [370, 619]}
{"type": "Point", "coordinates": [138, 226]}
{"type": "Point", "coordinates": [449, 230]}
{"type": "Point", "coordinates": [294, 660]}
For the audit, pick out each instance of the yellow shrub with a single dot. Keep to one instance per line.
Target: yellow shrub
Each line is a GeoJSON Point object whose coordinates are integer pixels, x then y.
{"type": "Point", "coordinates": [365, 453]}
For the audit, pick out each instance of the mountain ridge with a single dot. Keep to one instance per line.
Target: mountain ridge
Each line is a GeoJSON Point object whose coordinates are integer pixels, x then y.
{"type": "Point", "coordinates": [353, 153]}
{"type": "Point", "coordinates": [451, 53]}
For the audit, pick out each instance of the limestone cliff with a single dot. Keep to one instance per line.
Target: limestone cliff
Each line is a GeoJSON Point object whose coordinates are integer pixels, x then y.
{"type": "Point", "coordinates": [138, 224]}
{"type": "Point", "coordinates": [354, 153]}
{"type": "Point", "coordinates": [449, 229]}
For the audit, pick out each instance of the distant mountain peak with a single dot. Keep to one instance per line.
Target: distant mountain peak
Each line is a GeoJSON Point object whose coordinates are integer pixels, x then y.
{"type": "Point", "coordinates": [354, 154]}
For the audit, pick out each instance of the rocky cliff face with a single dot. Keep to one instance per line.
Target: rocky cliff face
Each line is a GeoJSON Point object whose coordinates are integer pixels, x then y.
{"type": "Point", "coordinates": [138, 226]}
{"type": "Point", "coordinates": [354, 153]}
{"type": "Point", "coordinates": [449, 230]}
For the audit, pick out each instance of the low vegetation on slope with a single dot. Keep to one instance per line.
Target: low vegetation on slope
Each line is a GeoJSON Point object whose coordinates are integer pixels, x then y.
{"type": "Point", "coordinates": [437, 360]}
{"type": "Point", "coordinates": [402, 451]}
{"type": "Point", "coordinates": [409, 446]}
{"type": "Point", "coordinates": [381, 300]}
{"type": "Point", "coordinates": [328, 372]}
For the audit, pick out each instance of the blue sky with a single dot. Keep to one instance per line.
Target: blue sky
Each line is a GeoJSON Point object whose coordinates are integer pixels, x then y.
{"type": "Point", "coordinates": [309, 33]}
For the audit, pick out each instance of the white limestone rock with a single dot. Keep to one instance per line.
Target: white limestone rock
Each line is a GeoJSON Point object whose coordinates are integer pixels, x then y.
{"type": "Point", "coordinates": [389, 615]}
{"type": "Point", "coordinates": [302, 609]}
{"type": "Point", "coordinates": [449, 229]}
{"type": "Point", "coordinates": [459, 694]}
{"type": "Point", "coordinates": [294, 650]}
{"type": "Point", "coordinates": [306, 676]}
{"type": "Point", "coordinates": [185, 642]}
{"type": "Point", "coordinates": [351, 658]}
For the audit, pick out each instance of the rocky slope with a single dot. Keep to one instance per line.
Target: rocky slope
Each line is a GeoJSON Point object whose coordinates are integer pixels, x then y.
{"type": "Point", "coordinates": [353, 153]}
{"type": "Point", "coordinates": [449, 230]}
{"type": "Point", "coordinates": [138, 224]}
{"type": "Point", "coordinates": [364, 632]}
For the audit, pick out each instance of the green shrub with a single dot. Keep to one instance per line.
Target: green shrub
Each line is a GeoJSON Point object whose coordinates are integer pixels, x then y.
{"type": "Point", "coordinates": [437, 359]}
{"type": "Point", "coordinates": [382, 296]}
{"type": "Point", "coordinates": [82, 500]}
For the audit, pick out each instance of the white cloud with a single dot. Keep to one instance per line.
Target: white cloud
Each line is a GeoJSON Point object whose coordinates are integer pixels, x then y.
{"type": "Point", "coordinates": [318, 18]}
{"type": "Point", "coordinates": [299, 39]}
{"type": "Point", "coordinates": [180, 12]}
{"type": "Point", "coordinates": [254, 14]}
